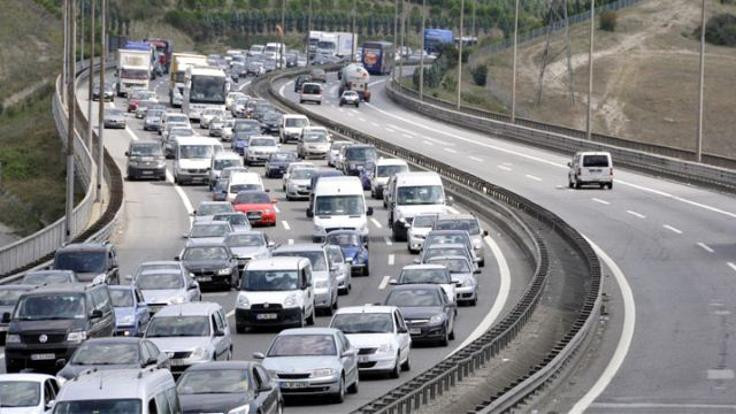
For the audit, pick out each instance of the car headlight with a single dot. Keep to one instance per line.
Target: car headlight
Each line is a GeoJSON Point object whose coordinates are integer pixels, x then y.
{"type": "Point", "coordinates": [12, 339]}
{"type": "Point", "coordinates": [75, 337]}
{"type": "Point", "coordinates": [243, 302]}
{"type": "Point", "coordinates": [322, 372]}
{"type": "Point", "coordinates": [126, 320]}
{"type": "Point", "coordinates": [133, 163]}
{"type": "Point", "coordinates": [318, 229]}
{"type": "Point", "coordinates": [243, 409]}
{"type": "Point", "coordinates": [386, 349]}
{"type": "Point", "coordinates": [439, 318]}
{"type": "Point", "coordinates": [225, 271]}
{"type": "Point", "coordinates": [199, 353]}
{"type": "Point", "coordinates": [291, 301]}
{"type": "Point", "coordinates": [273, 373]}
{"type": "Point", "coordinates": [320, 284]}
{"type": "Point", "coordinates": [177, 300]}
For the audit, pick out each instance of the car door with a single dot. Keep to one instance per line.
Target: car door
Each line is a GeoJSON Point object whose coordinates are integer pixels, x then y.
{"type": "Point", "coordinates": [265, 391]}
{"type": "Point", "coordinates": [143, 316]}
{"type": "Point", "coordinates": [306, 276]}
{"type": "Point", "coordinates": [218, 341]}
{"type": "Point", "coordinates": [402, 331]}
{"type": "Point", "coordinates": [349, 361]}
{"type": "Point", "coordinates": [337, 262]}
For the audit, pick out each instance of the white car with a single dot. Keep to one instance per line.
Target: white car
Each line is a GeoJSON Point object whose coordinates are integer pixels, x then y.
{"type": "Point", "coordinates": [243, 181]}
{"type": "Point", "coordinates": [417, 233]}
{"type": "Point", "coordinates": [27, 393]}
{"type": "Point", "coordinates": [259, 149]}
{"type": "Point", "coordinates": [207, 116]}
{"type": "Point", "coordinates": [297, 185]}
{"type": "Point", "coordinates": [379, 333]}
{"type": "Point", "coordinates": [311, 92]}
{"type": "Point", "coordinates": [232, 97]}
{"type": "Point", "coordinates": [314, 142]}
{"type": "Point", "coordinates": [383, 170]}
{"type": "Point", "coordinates": [293, 167]}
{"type": "Point", "coordinates": [291, 127]}
{"type": "Point", "coordinates": [333, 157]}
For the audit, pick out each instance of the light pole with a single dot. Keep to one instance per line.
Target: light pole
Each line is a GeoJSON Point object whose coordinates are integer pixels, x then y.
{"type": "Point", "coordinates": [460, 55]}
{"type": "Point", "coordinates": [421, 53]}
{"type": "Point", "coordinates": [283, 32]}
{"type": "Point", "coordinates": [513, 76]}
{"type": "Point", "coordinates": [589, 118]}
{"type": "Point", "coordinates": [701, 86]}
{"type": "Point", "coordinates": [70, 35]}
{"type": "Point", "coordinates": [65, 64]}
{"type": "Point", "coordinates": [352, 58]}
{"type": "Point", "coordinates": [81, 31]}
{"type": "Point", "coordinates": [401, 49]}
{"type": "Point", "coordinates": [101, 108]}
{"type": "Point", "coordinates": [309, 30]}
{"type": "Point", "coordinates": [91, 75]}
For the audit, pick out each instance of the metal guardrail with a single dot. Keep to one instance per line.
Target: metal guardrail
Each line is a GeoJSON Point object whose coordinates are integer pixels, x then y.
{"type": "Point", "coordinates": [652, 159]}
{"type": "Point", "coordinates": [435, 381]}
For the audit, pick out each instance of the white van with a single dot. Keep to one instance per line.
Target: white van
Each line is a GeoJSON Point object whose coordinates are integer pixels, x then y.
{"type": "Point", "coordinates": [192, 158]}
{"type": "Point", "coordinates": [590, 168]}
{"type": "Point", "coordinates": [414, 193]}
{"type": "Point", "coordinates": [243, 181]}
{"type": "Point", "coordinates": [339, 204]}
{"type": "Point", "coordinates": [220, 161]}
{"type": "Point", "coordinates": [275, 292]}
{"type": "Point", "coordinates": [291, 127]}
{"type": "Point", "coordinates": [311, 92]}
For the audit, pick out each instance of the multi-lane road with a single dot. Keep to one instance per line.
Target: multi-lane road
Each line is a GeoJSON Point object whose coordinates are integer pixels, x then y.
{"type": "Point", "coordinates": [668, 247]}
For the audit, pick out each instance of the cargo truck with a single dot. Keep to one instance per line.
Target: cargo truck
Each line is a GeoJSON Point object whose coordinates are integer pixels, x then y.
{"type": "Point", "coordinates": [133, 70]}
{"type": "Point", "coordinates": [180, 62]}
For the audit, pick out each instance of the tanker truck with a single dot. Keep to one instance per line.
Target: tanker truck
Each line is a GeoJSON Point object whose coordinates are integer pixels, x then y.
{"type": "Point", "coordinates": [354, 77]}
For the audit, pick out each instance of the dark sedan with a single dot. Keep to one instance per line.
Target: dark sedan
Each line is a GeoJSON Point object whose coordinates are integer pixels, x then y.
{"type": "Point", "coordinates": [427, 312]}
{"type": "Point", "coordinates": [114, 353]}
{"type": "Point", "coordinates": [353, 248]}
{"type": "Point", "coordinates": [278, 162]}
{"type": "Point", "coordinates": [211, 263]}
{"type": "Point", "coordinates": [107, 91]}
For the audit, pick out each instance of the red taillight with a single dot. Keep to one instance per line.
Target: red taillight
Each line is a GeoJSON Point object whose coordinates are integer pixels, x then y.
{"type": "Point", "coordinates": [580, 171]}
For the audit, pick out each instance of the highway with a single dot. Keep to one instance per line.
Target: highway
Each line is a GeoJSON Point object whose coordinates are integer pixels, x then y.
{"type": "Point", "coordinates": [157, 214]}
{"type": "Point", "coordinates": [668, 247]}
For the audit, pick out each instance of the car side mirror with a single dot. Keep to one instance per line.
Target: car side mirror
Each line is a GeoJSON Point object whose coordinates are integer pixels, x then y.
{"type": "Point", "coordinates": [477, 271]}
{"type": "Point", "coordinates": [349, 353]}
{"type": "Point", "coordinates": [402, 330]}
{"type": "Point", "coordinates": [177, 258]}
{"type": "Point", "coordinates": [128, 278]}
{"type": "Point", "coordinates": [50, 404]}
{"type": "Point", "coordinates": [150, 361]}
{"type": "Point", "coordinates": [127, 154]}
{"type": "Point", "coordinates": [310, 213]}
{"type": "Point", "coordinates": [6, 317]}
{"type": "Point", "coordinates": [96, 314]}
{"type": "Point", "coordinates": [265, 388]}
{"type": "Point", "coordinates": [369, 211]}
{"type": "Point", "coordinates": [268, 190]}
{"type": "Point", "coordinates": [259, 356]}
{"type": "Point", "coordinates": [271, 243]}
{"type": "Point", "coordinates": [485, 233]}
{"type": "Point", "coordinates": [219, 332]}
{"type": "Point", "coordinates": [193, 286]}
{"type": "Point", "coordinates": [569, 164]}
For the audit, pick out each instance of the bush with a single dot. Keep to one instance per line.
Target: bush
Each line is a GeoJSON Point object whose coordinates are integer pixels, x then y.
{"type": "Point", "coordinates": [609, 19]}
{"type": "Point", "coordinates": [480, 74]}
{"type": "Point", "coordinates": [721, 30]}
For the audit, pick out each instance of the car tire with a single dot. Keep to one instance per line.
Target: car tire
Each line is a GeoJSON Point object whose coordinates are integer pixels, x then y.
{"type": "Point", "coordinates": [241, 329]}
{"type": "Point", "coordinates": [577, 185]}
{"type": "Point", "coordinates": [446, 339]}
{"type": "Point", "coordinates": [357, 105]}
{"type": "Point", "coordinates": [482, 263]}
{"type": "Point", "coordinates": [610, 185]}
{"type": "Point", "coordinates": [354, 387]}
{"type": "Point", "coordinates": [339, 397]}
{"type": "Point", "coordinates": [395, 372]}
{"type": "Point", "coordinates": [367, 270]}
{"type": "Point", "coordinates": [310, 319]}
{"type": "Point", "coordinates": [603, 186]}
{"type": "Point", "coordinates": [406, 366]}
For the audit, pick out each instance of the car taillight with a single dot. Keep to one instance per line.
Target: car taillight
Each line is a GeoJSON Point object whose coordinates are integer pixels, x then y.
{"type": "Point", "coordinates": [580, 171]}
{"type": "Point", "coordinates": [610, 171]}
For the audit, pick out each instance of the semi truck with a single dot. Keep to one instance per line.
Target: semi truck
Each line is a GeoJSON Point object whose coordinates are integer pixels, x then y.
{"type": "Point", "coordinates": [180, 62]}
{"type": "Point", "coordinates": [332, 43]}
{"type": "Point", "coordinates": [133, 70]}
{"type": "Point", "coordinates": [204, 87]}
{"type": "Point", "coordinates": [378, 57]}
{"type": "Point", "coordinates": [354, 77]}
{"type": "Point", "coordinates": [164, 48]}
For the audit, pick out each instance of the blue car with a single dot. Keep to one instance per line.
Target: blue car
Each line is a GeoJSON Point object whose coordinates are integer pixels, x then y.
{"type": "Point", "coordinates": [131, 312]}
{"type": "Point", "coordinates": [366, 175]}
{"type": "Point", "coordinates": [353, 248]}
{"type": "Point", "coordinates": [278, 163]}
{"type": "Point", "coordinates": [240, 143]}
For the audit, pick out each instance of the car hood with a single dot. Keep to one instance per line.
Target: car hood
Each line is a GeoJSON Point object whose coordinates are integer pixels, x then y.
{"type": "Point", "coordinates": [202, 265]}
{"type": "Point", "coordinates": [321, 145]}
{"type": "Point", "coordinates": [301, 363]}
{"type": "Point", "coordinates": [193, 163]}
{"type": "Point", "coordinates": [270, 297]}
{"type": "Point", "coordinates": [350, 251]}
{"type": "Point", "coordinates": [204, 240]}
{"type": "Point", "coordinates": [263, 148]}
{"type": "Point", "coordinates": [89, 276]}
{"type": "Point", "coordinates": [301, 182]}
{"type": "Point", "coordinates": [23, 410]}
{"type": "Point", "coordinates": [461, 277]}
{"type": "Point", "coordinates": [411, 211]}
{"type": "Point", "coordinates": [249, 251]}
{"type": "Point", "coordinates": [46, 326]}
{"type": "Point", "coordinates": [277, 163]}
{"type": "Point", "coordinates": [160, 295]}
{"type": "Point", "coordinates": [355, 222]}
{"type": "Point", "coordinates": [381, 180]}
{"type": "Point", "coordinates": [212, 403]}
{"type": "Point", "coordinates": [180, 343]}
{"type": "Point", "coordinates": [370, 340]}
{"type": "Point", "coordinates": [70, 371]}
{"type": "Point", "coordinates": [252, 207]}
{"type": "Point", "coordinates": [420, 312]}
{"type": "Point", "coordinates": [121, 313]}
{"type": "Point", "coordinates": [293, 130]}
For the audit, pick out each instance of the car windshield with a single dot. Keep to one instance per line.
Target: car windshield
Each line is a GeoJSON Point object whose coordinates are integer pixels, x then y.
{"type": "Point", "coordinates": [361, 154]}
{"type": "Point", "coordinates": [389, 170]}
{"type": "Point", "coordinates": [413, 298]}
{"type": "Point", "coordinates": [222, 164]}
{"type": "Point", "coordinates": [19, 394]}
{"type": "Point", "coordinates": [157, 266]}
{"type": "Point", "coordinates": [237, 219]}
{"type": "Point", "coordinates": [159, 281]}
{"type": "Point", "coordinates": [114, 112]}
{"type": "Point", "coordinates": [209, 230]}
{"type": "Point", "coordinates": [211, 381]}
{"type": "Point", "coordinates": [434, 239]}
{"type": "Point", "coordinates": [262, 142]}
{"type": "Point", "coordinates": [44, 277]}
{"type": "Point", "coordinates": [349, 94]}
{"type": "Point", "coordinates": [245, 240]}
{"type": "Point", "coordinates": [252, 197]}
{"type": "Point", "coordinates": [296, 122]}
{"type": "Point", "coordinates": [311, 89]}
{"type": "Point", "coordinates": [418, 195]}
{"type": "Point", "coordinates": [445, 251]}
{"type": "Point", "coordinates": [177, 118]}
{"type": "Point", "coordinates": [470, 225]}
{"type": "Point", "coordinates": [154, 113]}
{"type": "Point", "coordinates": [172, 326]}
{"type": "Point", "coordinates": [270, 280]}
{"type": "Point", "coordinates": [339, 205]}
{"type": "Point", "coordinates": [50, 306]}
{"type": "Point", "coordinates": [302, 345]}
{"type": "Point", "coordinates": [213, 111]}
{"type": "Point", "coordinates": [424, 221]}
{"type": "Point", "coordinates": [121, 298]}
{"type": "Point", "coordinates": [112, 406]}
{"type": "Point", "coordinates": [182, 132]}
{"type": "Point", "coordinates": [238, 188]}
{"type": "Point", "coordinates": [81, 262]}
{"type": "Point", "coordinates": [317, 258]}
{"type": "Point", "coordinates": [424, 276]}
{"type": "Point", "coordinates": [302, 174]}
{"type": "Point", "coordinates": [106, 354]}
{"type": "Point", "coordinates": [212, 209]}
{"type": "Point", "coordinates": [139, 150]}
{"type": "Point", "coordinates": [454, 265]}
{"type": "Point", "coordinates": [319, 137]}
{"type": "Point", "coordinates": [199, 152]}
{"type": "Point", "coordinates": [363, 323]}
{"type": "Point", "coordinates": [197, 253]}
{"type": "Point", "coordinates": [343, 239]}
{"type": "Point", "coordinates": [8, 297]}
{"type": "Point", "coordinates": [244, 126]}
{"type": "Point", "coordinates": [337, 145]}
{"type": "Point", "coordinates": [595, 161]}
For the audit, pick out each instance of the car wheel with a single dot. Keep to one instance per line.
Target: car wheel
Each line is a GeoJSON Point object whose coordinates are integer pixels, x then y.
{"type": "Point", "coordinates": [353, 389]}
{"type": "Point", "coordinates": [474, 301]}
{"type": "Point", "coordinates": [406, 366]}
{"type": "Point", "coordinates": [366, 270]}
{"type": "Point", "coordinates": [340, 396]}
{"type": "Point", "coordinates": [310, 319]}
{"type": "Point", "coordinates": [482, 263]}
{"type": "Point", "coordinates": [610, 185]}
{"type": "Point", "coordinates": [445, 339]}
{"type": "Point", "coordinates": [569, 183]}
{"type": "Point", "coordinates": [577, 185]}
{"type": "Point", "coordinates": [452, 334]}
{"type": "Point", "coordinates": [395, 371]}
{"type": "Point", "coordinates": [241, 329]}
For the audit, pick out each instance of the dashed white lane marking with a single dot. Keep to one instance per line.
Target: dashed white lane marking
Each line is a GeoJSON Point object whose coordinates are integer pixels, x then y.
{"type": "Point", "coordinates": [290, 241]}
{"type": "Point", "coordinates": [361, 119]}
{"type": "Point", "coordinates": [635, 214]}
{"type": "Point", "coordinates": [375, 124]}
{"type": "Point", "coordinates": [286, 225]}
{"type": "Point", "coordinates": [388, 241]}
{"type": "Point", "coordinates": [276, 209]}
{"type": "Point", "coordinates": [732, 266]}
{"type": "Point", "coordinates": [281, 89]}
{"type": "Point", "coordinates": [230, 314]}
{"type": "Point", "coordinates": [476, 159]}
{"type": "Point", "coordinates": [376, 223]}
{"type": "Point", "coordinates": [672, 229]}
{"type": "Point", "coordinates": [389, 130]}
{"type": "Point", "coordinates": [407, 136]}
{"type": "Point", "coordinates": [503, 167]}
{"type": "Point", "coordinates": [453, 210]}
{"type": "Point", "coordinates": [705, 247]}
{"type": "Point", "coordinates": [214, 295]}
{"type": "Point", "coordinates": [391, 259]}
{"type": "Point", "coordinates": [384, 282]}
{"type": "Point", "coordinates": [428, 143]}
{"type": "Point", "coordinates": [406, 131]}
{"type": "Point", "coordinates": [533, 177]}
{"type": "Point", "coordinates": [450, 150]}
{"type": "Point", "coordinates": [599, 201]}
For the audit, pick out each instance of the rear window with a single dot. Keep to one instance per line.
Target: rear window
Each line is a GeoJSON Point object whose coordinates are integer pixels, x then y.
{"type": "Point", "coordinates": [312, 89]}
{"type": "Point", "coordinates": [595, 161]}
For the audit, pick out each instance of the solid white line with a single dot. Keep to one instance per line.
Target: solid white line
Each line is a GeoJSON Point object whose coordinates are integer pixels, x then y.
{"type": "Point", "coordinates": [400, 129]}
{"type": "Point", "coordinates": [453, 210]}
{"type": "Point", "coordinates": [450, 150]}
{"type": "Point", "coordinates": [376, 223]}
{"type": "Point", "coordinates": [624, 341]}
{"type": "Point", "coordinates": [476, 159]}
{"type": "Point", "coordinates": [384, 282]}
{"type": "Point", "coordinates": [705, 247]}
{"type": "Point", "coordinates": [362, 119]}
{"type": "Point", "coordinates": [428, 143]}
{"type": "Point", "coordinates": [281, 89]}
{"type": "Point", "coordinates": [407, 136]}
{"type": "Point", "coordinates": [388, 241]}
{"type": "Point", "coordinates": [501, 297]}
{"type": "Point", "coordinates": [375, 124]}
{"type": "Point", "coordinates": [635, 214]}
{"type": "Point", "coordinates": [391, 259]}
{"type": "Point", "coordinates": [503, 167]}
{"type": "Point", "coordinates": [533, 177]}
{"type": "Point", "coordinates": [249, 82]}
{"type": "Point", "coordinates": [230, 314]}
{"type": "Point", "coordinates": [286, 225]}
{"type": "Point", "coordinates": [732, 266]}
{"type": "Point", "coordinates": [389, 130]}
{"type": "Point", "coordinates": [604, 202]}
{"type": "Point", "coordinates": [672, 229]}
{"type": "Point", "coordinates": [290, 241]}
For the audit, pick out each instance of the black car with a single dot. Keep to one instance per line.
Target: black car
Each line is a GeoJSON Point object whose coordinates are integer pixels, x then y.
{"type": "Point", "coordinates": [90, 261]}
{"type": "Point", "coordinates": [114, 353]}
{"type": "Point", "coordinates": [9, 295]}
{"type": "Point", "coordinates": [211, 264]}
{"type": "Point", "coordinates": [220, 387]}
{"type": "Point", "coordinates": [49, 323]}
{"type": "Point", "coordinates": [357, 157]}
{"type": "Point", "coordinates": [145, 160]}
{"type": "Point", "coordinates": [278, 162]}
{"type": "Point", "coordinates": [427, 312]}
{"type": "Point", "coordinates": [270, 122]}
{"type": "Point", "coordinates": [300, 80]}
{"type": "Point", "coordinates": [107, 91]}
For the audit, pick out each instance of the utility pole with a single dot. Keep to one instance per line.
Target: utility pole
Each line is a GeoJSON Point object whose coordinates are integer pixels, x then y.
{"type": "Point", "coordinates": [460, 55]}
{"type": "Point", "coordinates": [701, 87]}
{"type": "Point", "coordinates": [475, 5]}
{"type": "Point", "coordinates": [71, 35]}
{"type": "Point", "coordinates": [513, 76]}
{"type": "Point", "coordinates": [101, 108]}
{"type": "Point", "coordinates": [91, 75]}
{"type": "Point", "coordinates": [401, 50]}
{"type": "Point", "coordinates": [81, 31]}
{"type": "Point", "coordinates": [396, 34]}
{"type": "Point", "coordinates": [352, 58]}
{"type": "Point", "coordinates": [65, 64]}
{"type": "Point", "coordinates": [421, 53]}
{"type": "Point", "coordinates": [283, 33]}
{"type": "Point", "coordinates": [309, 30]}
{"type": "Point", "coordinates": [589, 118]}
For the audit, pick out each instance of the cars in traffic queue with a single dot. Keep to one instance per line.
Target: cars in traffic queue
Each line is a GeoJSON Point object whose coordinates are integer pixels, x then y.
{"type": "Point", "coordinates": [325, 282]}
{"type": "Point", "coordinates": [354, 248]}
{"type": "Point", "coordinates": [313, 143]}
{"type": "Point", "coordinates": [207, 232]}
{"type": "Point", "coordinates": [166, 287]}
{"type": "Point", "coordinates": [414, 193]}
{"type": "Point", "coordinates": [255, 68]}
{"type": "Point", "coordinates": [114, 118]}
{"type": "Point", "coordinates": [260, 149]}
{"type": "Point", "coordinates": [297, 165]}
{"type": "Point", "coordinates": [350, 98]}
{"type": "Point", "coordinates": [301, 80]}
{"type": "Point", "coordinates": [49, 277]}
{"type": "Point", "coordinates": [469, 223]}
{"type": "Point", "coordinates": [260, 109]}
{"type": "Point", "coordinates": [313, 362]}
{"type": "Point", "coordinates": [232, 97]}
{"type": "Point", "coordinates": [340, 269]}
{"type": "Point", "coordinates": [145, 159]}
{"type": "Point", "coordinates": [131, 310]}
{"type": "Point", "coordinates": [191, 333]}
{"type": "Point", "coordinates": [28, 393]}
{"type": "Point", "coordinates": [49, 322]}
{"type": "Point", "coordinates": [420, 227]}
{"type": "Point", "coordinates": [113, 353]}
{"type": "Point", "coordinates": [130, 390]}
{"type": "Point", "coordinates": [461, 272]}
{"type": "Point", "coordinates": [238, 221]}
{"type": "Point", "coordinates": [219, 162]}
{"type": "Point", "coordinates": [108, 92]}
{"type": "Point", "coordinates": [317, 175]}
{"type": "Point", "coordinates": [446, 249]}
{"type": "Point", "coordinates": [311, 92]}
{"type": "Point", "coordinates": [270, 122]}
{"type": "Point", "coordinates": [91, 262]}
{"type": "Point", "coordinates": [243, 181]}
{"type": "Point", "coordinates": [144, 106]}
{"type": "Point", "coordinates": [168, 144]}
{"type": "Point", "coordinates": [237, 109]}
{"type": "Point", "coordinates": [435, 237]}
{"type": "Point", "coordinates": [251, 105]}
{"type": "Point", "coordinates": [278, 162]}
{"type": "Point", "coordinates": [428, 314]}
{"type": "Point", "coordinates": [297, 185]}
{"type": "Point", "coordinates": [192, 157]}
{"type": "Point", "coordinates": [228, 171]}
{"type": "Point", "coordinates": [277, 291]}
{"type": "Point", "coordinates": [172, 117]}
{"type": "Point", "coordinates": [291, 127]}
{"type": "Point", "coordinates": [206, 210]}
{"type": "Point", "coordinates": [249, 245]}
{"type": "Point", "coordinates": [333, 157]}
{"type": "Point", "coordinates": [356, 157]}
{"type": "Point", "coordinates": [383, 169]}
{"type": "Point", "coordinates": [139, 95]}
{"type": "Point", "coordinates": [318, 75]}
{"type": "Point", "coordinates": [214, 129]}
{"type": "Point", "coordinates": [590, 168]}
{"type": "Point", "coordinates": [211, 264]}
{"type": "Point", "coordinates": [152, 120]}
{"type": "Point", "coordinates": [227, 130]}
{"type": "Point", "coordinates": [157, 265]}
{"type": "Point", "coordinates": [9, 295]}
{"type": "Point", "coordinates": [380, 335]}
{"type": "Point", "coordinates": [338, 203]}
{"type": "Point", "coordinates": [243, 129]}
{"type": "Point", "coordinates": [257, 206]}
{"type": "Point", "coordinates": [232, 387]}
{"type": "Point", "coordinates": [208, 115]}
{"type": "Point", "coordinates": [427, 274]}
{"type": "Point", "coordinates": [177, 98]}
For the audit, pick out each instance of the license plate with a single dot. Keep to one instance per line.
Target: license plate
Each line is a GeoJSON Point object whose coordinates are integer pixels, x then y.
{"type": "Point", "coordinates": [266, 316]}
{"type": "Point", "coordinates": [254, 216]}
{"type": "Point", "coordinates": [294, 385]}
{"type": "Point", "coordinates": [147, 172]}
{"type": "Point", "coordinates": [42, 357]}
{"type": "Point", "coordinates": [3, 328]}
{"type": "Point", "coordinates": [204, 279]}
{"type": "Point", "coordinates": [415, 331]}
{"type": "Point", "coordinates": [595, 171]}
{"type": "Point", "coordinates": [176, 362]}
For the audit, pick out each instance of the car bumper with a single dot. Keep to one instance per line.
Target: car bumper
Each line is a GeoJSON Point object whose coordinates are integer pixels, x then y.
{"type": "Point", "coordinates": [151, 127]}
{"type": "Point", "coordinates": [257, 157]}
{"type": "Point", "coordinates": [376, 362]}
{"type": "Point", "coordinates": [322, 298]}
{"type": "Point", "coordinates": [415, 243]}
{"type": "Point", "coordinates": [126, 331]}
{"type": "Point", "coordinates": [28, 358]}
{"type": "Point", "coordinates": [190, 177]}
{"type": "Point", "coordinates": [213, 278]}
{"type": "Point", "coordinates": [275, 172]}
{"type": "Point", "coordinates": [147, 172]}
{"type": "Point", "coordinates": [425, 332]}
{"type": "Point", "coordinates": [297, 193]}
{"type": "Point", "coordinates": [312, 386]}
{"type": "Point", "coordinates": [358, 267]}
{"type": "Point", "coordinates": [276, 317]}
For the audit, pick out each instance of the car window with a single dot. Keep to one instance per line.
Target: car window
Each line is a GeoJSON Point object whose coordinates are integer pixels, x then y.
{"type": "Point", "coordinates": [262, 374]}
{"type": "Point", "coordinates": [173, 400]}
{"type": "Point", "coordinates": [162, 403]}
{"type": "Point", "coordinates": [398, 321]}
{"type": "Point", "coordinates": [221, 320]}
{"type": "Point", "coordinates": [213, 321]}
{"type": "Point", "coordinates": [49, 392]}
{"type": "Point", "coordinates": [145, 354]}
{"type": "Point", "coordinates": [257, 380]}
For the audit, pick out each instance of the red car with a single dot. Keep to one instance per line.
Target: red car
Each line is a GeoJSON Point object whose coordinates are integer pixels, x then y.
{"type": "Point", "coordinates": [257, 206]}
